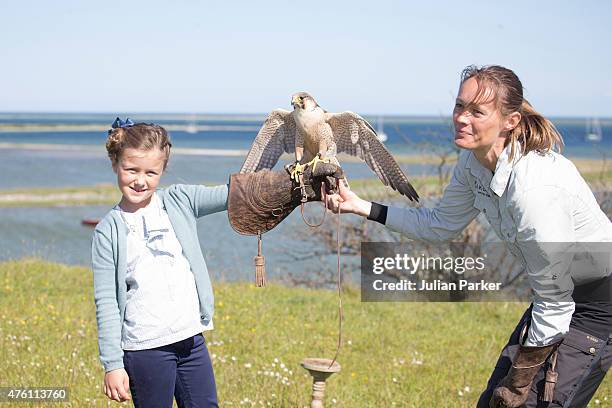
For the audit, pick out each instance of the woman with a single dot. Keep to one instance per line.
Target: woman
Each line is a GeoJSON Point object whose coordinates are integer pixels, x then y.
{"type": "Point", "coordinates": [530, 195]}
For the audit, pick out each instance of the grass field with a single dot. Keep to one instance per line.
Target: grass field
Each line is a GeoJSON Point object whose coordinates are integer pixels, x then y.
{"type": "Point", "coordinates": [393, 354]}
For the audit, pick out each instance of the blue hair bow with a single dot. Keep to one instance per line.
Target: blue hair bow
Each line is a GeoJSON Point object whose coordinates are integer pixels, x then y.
{"type": "Point", "coordinates": [118, 123]}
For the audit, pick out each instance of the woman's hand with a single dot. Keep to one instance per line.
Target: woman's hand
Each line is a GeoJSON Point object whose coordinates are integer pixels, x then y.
{"type": "Point", "coordinates": [117, 385]}
{"type": "Point", "coordinates": [348, 202]}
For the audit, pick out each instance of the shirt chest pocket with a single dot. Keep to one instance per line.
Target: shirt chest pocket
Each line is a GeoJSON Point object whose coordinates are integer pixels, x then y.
{"type": "Point", "coordinates": [508, 231]}
{"type": "Point", "coordinates": [488, 208]}
{"type": "Point", "coordinates": [508, 227]}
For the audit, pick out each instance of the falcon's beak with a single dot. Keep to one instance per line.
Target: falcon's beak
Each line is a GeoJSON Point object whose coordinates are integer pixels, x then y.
{"type": "Point", "coordinates": [295, 101]}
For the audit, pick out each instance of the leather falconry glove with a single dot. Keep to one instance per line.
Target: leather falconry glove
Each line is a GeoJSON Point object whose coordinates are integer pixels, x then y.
{"type": "Point", "coordinates": [259, 201]}
{"type": "Point", "coordinates": [513, 390]}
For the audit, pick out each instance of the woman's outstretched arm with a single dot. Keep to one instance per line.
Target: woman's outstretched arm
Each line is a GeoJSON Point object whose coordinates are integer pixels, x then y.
{"type": "Point", "coordinates": [441, 223]}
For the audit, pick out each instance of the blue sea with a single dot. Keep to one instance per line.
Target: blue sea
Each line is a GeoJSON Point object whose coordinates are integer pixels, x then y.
{"type": "Point", "coordinates": [405, 134]}
{"type": "Point", "coordinates": [55, 233]}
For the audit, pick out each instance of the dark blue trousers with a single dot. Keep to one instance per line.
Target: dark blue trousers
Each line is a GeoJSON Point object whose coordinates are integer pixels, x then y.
{"type": "Point", "coordinates": [182, 369]}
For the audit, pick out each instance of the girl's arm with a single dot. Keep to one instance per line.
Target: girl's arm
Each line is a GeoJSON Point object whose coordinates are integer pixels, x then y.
{"type": "Point", "coordinates": [105, 296]}
{"type": "Point", "coordinates": [203, 200]}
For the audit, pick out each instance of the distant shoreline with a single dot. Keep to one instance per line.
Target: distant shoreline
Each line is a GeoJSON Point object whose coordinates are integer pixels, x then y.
{"type": "Point", "coordinates": [18, 128]}
{"type": "Point", "coordinates": [595, 171]}
{"type": "Point", "coordinates": [417, 158]}
{"type": "Point", "coordinates": [96, 148]}
{"type": "Point", "coordinates": [585, 164]}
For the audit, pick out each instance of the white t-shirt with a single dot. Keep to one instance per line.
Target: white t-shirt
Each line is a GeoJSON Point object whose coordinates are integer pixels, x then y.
{"type": "Point", "coordinates": [162, 305]}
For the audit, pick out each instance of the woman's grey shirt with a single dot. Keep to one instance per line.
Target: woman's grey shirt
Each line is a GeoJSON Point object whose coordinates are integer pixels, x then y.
{"type": "Point", "coordinates": [184, 205]}
{"type": "Point", "coordinates": [538, 204]}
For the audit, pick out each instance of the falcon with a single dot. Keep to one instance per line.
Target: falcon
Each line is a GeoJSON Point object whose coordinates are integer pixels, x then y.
{"type": "Point", "coordinates": [315, 135]}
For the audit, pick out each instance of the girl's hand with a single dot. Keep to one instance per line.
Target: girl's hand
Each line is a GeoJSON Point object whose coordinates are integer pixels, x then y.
{"type": "Point", "coordinates": [348, 202]}
{"type": "Point", "coordinates": [117, 385]}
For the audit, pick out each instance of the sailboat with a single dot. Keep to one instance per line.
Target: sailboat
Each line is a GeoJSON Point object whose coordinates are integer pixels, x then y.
{"type": "Point", "coordinates": [192, 126]}
{"type": "Point", "coordinates": [593, 131]}
{"type": "Point", "coordinates": [380, 133]}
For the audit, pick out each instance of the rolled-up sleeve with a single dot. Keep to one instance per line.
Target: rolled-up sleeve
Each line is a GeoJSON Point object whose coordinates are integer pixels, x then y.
{"type": "Point", "coordinates": [545, 237]}
{"type": "Point", "coordinates": [443, 222]}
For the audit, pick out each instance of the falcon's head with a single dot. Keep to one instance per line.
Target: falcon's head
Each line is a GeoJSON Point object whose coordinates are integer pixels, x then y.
{"type": "Point", "coordinates": [303, 100]}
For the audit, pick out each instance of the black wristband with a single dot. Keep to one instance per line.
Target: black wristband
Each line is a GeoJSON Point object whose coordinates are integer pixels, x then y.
{"type": "Point", "coordinates": [378, 213]}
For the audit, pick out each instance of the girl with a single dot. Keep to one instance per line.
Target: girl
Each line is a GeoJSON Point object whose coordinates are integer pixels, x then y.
{"type": "Point", "coordinates": [530, 196]}
{"type": "Point", "coordinates": [151, 286]}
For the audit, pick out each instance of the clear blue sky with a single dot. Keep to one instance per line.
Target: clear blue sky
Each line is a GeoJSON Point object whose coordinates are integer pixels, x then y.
{"type": "Point", "coordinates": [377, 57]}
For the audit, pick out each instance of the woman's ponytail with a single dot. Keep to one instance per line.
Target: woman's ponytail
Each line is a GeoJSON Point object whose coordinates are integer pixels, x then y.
{"type": "Point", "coordinates": [534, 132]}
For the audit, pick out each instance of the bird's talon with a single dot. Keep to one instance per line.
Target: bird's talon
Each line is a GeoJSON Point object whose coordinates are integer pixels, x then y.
{"type": "Point", "coordinates": [317, 159]}
{"type": "Point", "coordinates": [298, 169]}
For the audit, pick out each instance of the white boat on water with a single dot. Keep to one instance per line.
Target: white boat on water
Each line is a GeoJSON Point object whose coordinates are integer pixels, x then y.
{"type": "Point", "coordinates": [380, 133]}
{"type": "Point", "coordinates": [593, 131]}
{"type": "Point", "coordinates": [192, 125]}
{"type": "Point", "coordinates": [191, 128]}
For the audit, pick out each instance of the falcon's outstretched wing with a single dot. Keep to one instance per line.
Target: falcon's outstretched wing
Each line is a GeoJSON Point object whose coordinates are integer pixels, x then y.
{"type": "Point", "coordinates": [276, 136]}
{"type": "Point", "coordinates": [354, 135]}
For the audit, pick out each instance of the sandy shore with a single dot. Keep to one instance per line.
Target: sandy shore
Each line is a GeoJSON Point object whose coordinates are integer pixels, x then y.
{"type": "Point", "coordinates": [587, 165]}
{"type": "Point", "coordinates": [90, 148]}
{"type": "Point", "coordinates": [344, 158]}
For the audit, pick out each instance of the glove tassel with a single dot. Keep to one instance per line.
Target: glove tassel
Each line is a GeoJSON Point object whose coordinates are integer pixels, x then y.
{"type": "Point", "coordinates": [551, 379]}
{"type": "Point", "coordinates": [260, 265]}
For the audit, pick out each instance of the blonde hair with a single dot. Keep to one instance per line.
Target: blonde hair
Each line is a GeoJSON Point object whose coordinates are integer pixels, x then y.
{"type": "Point", "coordinates": [534, 131]}
{"type": "Point", "coordinates": [141, 136]}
